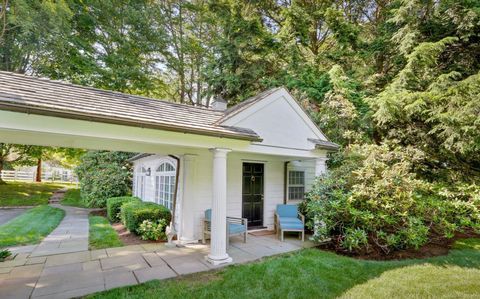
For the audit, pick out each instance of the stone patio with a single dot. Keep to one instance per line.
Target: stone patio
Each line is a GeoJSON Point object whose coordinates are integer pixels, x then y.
{"type": "Point", "coordinates": [66, 275]}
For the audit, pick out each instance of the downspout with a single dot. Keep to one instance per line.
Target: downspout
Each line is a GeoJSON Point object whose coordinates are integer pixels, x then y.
{"type": "Point", "coordinates": [285, 181]}
{"type": "Point", "coordinates": [171, 231]}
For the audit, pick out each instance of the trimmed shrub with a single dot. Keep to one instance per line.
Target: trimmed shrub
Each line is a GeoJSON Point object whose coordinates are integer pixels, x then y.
{"type": "Point", "coordinates": [135, 212]}
{"type": "Point", "coordinates": [115, 203]}
{"type": "Point", "coordinates": [104, 174]}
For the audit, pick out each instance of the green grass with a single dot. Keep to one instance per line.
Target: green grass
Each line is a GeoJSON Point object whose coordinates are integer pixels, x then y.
{"type": "Point", "coordinates": [102, 235]}
{"type": "Point", "coordinates": [30, 227]}
{"type": "Point", "coordinates": [312, 273]}
{"type": "Point", "coordinates": [26, 194]}
{"type": "Point", "coordinates": [72, 198]}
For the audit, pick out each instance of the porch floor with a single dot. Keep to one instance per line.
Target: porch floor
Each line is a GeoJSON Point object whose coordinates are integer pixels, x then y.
{"type": "Point", "coordinates": [84, 272]}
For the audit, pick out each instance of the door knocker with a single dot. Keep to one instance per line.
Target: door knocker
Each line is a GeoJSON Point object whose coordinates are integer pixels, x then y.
{"type": "Point", "coordinates": [252, 178]}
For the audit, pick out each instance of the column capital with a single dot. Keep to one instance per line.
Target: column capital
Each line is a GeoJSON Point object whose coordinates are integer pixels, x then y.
{"type": "Point", "coordinates": [220, 151]}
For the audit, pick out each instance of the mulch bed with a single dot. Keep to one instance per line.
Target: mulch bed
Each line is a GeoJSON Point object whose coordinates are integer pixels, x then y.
{"type": "Point", "coordinates": [439, 247]}
{"type": "Point", "coordinates": [127, 237]}
{"type": "Point", "coordinates": [102, 213]}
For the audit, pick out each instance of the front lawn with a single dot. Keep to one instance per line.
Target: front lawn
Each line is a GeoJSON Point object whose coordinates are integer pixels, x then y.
{"type": "Point", "coordinates": [101, 234]}
{"type": "Point", "coordinates": [26, 194]}
{"type": "Point", "coordinates": [30, 227]}
{"type": "Point", "coordinates": [312, 273]}
{"type": "Point", "coordinates": [72, 198]}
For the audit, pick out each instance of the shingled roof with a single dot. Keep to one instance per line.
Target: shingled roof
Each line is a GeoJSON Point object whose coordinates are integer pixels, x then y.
{"type": "Point", "coordinates": [34, 95]}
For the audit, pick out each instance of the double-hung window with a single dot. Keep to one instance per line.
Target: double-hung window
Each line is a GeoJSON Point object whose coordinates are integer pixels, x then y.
{"type": "Point", "coordinates": [165, 184]}
{"type": "Point", "coordinates": [296, 185]}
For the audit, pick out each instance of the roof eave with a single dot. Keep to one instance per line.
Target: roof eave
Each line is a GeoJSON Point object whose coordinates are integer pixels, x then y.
{"type": "Point", "coordinates": [327, 148]}
{"type": "Point", "coordinates": [131, 123]}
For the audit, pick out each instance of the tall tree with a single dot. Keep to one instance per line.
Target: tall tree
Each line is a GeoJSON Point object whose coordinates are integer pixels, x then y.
{"type": "Point", "coordinates": [32, 31]}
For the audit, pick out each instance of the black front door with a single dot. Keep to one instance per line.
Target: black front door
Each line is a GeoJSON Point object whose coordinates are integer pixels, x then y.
{"type": "Point", "coordinates": [253, 194]}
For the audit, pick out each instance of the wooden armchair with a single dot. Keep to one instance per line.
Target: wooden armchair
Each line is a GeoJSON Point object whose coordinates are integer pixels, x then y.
{"type": "Point", "coordinates": [235, 226]}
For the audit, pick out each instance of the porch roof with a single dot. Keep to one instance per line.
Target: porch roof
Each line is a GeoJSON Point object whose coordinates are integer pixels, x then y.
{"type": "Point", "coordinates": [33, 95]}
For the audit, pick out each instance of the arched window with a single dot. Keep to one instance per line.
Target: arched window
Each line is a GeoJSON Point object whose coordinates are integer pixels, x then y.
{"type": "Point", "coordinates": [165, 184]}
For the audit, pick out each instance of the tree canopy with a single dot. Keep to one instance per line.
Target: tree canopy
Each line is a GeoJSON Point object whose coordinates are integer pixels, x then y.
{"type": "Point", "coordinates": [404, 72]}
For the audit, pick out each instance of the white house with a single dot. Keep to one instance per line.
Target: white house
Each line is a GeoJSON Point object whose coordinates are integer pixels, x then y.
{"type": "Point", "coordinates": [240, 161]}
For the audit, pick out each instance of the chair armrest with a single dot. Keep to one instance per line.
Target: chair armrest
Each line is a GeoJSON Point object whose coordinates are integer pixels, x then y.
{"type": "Point", "coordinates": [302, 217]}
{"type": "Point", "coordinates": [237, 220]}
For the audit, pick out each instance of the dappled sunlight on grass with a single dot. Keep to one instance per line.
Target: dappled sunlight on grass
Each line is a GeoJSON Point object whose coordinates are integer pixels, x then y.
{"type": "Point", "coordinates": [101, 234]}
{"type": "Point", "coordinates": [30, 227]}
{"type": "Point", "coordinates": [420, 281]}
{"type": "Point", "coordinates": [27, 194]}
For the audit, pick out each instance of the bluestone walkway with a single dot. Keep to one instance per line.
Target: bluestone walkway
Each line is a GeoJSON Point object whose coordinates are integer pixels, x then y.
{"type": "Point", "coordinates": [71, 235]}
{"type": "Point", "coordinates": [80, 273]}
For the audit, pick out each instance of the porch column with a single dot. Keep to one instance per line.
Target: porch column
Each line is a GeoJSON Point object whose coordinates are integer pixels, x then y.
{"type": "Point", "coordinates": [218, 242]}
{"type": "Point", "coordinates": [320, 166]}
{"type": "Point", "coordinates": [188, 203]}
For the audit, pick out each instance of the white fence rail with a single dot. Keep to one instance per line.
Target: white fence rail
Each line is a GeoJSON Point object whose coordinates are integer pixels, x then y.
{"type": "Point", "coordinates": [29, 176]}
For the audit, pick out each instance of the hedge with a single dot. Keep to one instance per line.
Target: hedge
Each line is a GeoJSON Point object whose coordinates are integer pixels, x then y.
{"type": "Point", "coordinates": [135, 212]}
{"type": "Point", "coordinates": [115, 203]}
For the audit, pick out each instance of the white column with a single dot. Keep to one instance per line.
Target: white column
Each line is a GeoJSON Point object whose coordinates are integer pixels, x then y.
{"type": "Point", "coordinates": [320, 166]}
{"type": "Point", "coordinates": [187, 207]}
{"type": "Point", "coordinates": [218, 243]}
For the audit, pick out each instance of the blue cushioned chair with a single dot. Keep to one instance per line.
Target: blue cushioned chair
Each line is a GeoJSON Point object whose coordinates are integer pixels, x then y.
{"type": "Point", "coordinates": [235, 226]}
{"type": "Point", "coordinates": [288, 219]}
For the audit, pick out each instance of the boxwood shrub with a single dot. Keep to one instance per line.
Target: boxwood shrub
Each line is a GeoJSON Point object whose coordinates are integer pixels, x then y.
{"type": "Point", "coordinates": [133, 213]}
{"type": "Point", "coordinates": [114, 204]}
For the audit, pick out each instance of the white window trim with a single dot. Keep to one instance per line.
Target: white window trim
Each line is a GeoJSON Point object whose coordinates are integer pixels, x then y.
{"type": "Point", "coordinates": [296, 185]}
{"type": "Point", "coordinates": [168, 188]}
{"type": "Point", "coordinates": [139, 181]}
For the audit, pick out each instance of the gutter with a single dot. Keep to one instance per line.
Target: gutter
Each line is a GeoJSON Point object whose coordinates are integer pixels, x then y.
{"type": "Point", "coordinates": [132, 123]}
{"type": "Point", "coordinates": [285, 181]}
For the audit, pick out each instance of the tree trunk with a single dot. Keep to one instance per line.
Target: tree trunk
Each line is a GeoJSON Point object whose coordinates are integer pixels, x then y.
{"type": "Point", "coordinates": [38, 177]}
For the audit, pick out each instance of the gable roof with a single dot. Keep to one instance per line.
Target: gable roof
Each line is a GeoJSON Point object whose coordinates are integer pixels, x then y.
{"type": "Point", "coordinates": [250, 102]}
{"type": "Point", "coordinates": [28, 94]}
{"type": "Point", "coordinates": [234, 110]}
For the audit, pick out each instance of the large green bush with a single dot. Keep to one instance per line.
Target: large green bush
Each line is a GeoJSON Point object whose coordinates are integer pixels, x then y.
{"type": "Point", "coordinates": [380, 204]}
{"type": "Point", "coordinates": [135, 212]}
{"type": "Point", "coordinates": [102, 175]}
{"type": "Point", "coordinates": [114, 204]}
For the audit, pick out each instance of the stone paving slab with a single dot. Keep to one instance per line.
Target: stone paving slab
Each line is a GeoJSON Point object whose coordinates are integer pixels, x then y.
{"type": "Point", "coordinates": [160, 272]}
{"type": "Point", "coordinates": [119, 279]}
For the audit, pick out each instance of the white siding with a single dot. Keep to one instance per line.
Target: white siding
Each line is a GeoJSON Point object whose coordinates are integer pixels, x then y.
{"type": "Point", "coordinates": [273, 186]}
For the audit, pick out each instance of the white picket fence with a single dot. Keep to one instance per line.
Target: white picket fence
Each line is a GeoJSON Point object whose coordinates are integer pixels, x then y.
{"type": "Point", "coordinates": [29, 176]}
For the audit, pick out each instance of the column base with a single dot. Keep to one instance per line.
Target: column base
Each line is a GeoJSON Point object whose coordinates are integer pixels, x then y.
{"type": "Point", "coordinates": [216, 261]}
{"type": "Point", "coordinates": [186, 241]}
